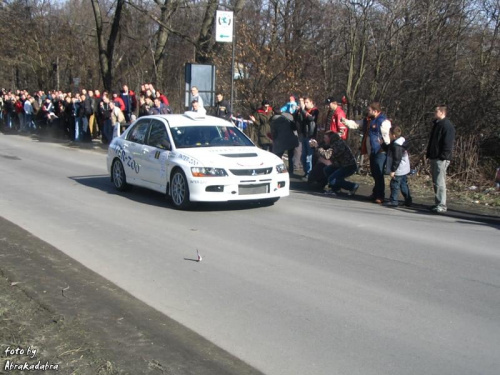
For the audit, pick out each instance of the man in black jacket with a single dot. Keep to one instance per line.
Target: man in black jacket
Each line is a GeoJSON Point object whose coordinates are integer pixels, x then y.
{"type": "Point", "coordinates": [306, 117]}
{"type": "Point", "coordinates": [222, 107]}
{"type": "Point", "coordinates": [342, 163]}
{"type": "Point", "coordinates": [284, 138]}
{"type": "Point", "coordinates": [440, 152]}
{"type": "Point", "coordinates": [105, 115]}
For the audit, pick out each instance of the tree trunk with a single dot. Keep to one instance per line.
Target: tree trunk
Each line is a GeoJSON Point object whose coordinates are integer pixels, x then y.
{"type": "Point", "coordinates": [106, 50]}
{"type": "Point", "coordinates": [161, 42]}
{"type": "Point", "coordinates": [203, 46]}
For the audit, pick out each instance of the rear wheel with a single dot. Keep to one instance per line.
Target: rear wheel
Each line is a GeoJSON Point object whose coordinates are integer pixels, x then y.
{"type": "Point", "coordinates": [118, 176]}
{"type": "Point", "coordinates": [179, 190]}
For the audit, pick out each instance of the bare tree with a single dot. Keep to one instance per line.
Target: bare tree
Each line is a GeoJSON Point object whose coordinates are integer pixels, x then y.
{"type": "Point", "coordinates": [107, 49]}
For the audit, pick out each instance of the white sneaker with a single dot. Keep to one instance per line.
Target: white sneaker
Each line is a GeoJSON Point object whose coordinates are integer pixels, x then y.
{"type": "Point", "coordinates": [439, 210]}
{"type": "Point", "coordinates": [330, 193]}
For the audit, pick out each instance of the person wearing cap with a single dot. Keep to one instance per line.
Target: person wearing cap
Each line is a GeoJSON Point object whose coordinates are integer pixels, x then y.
{"type": "Point", "coordinates": [338, 114]}
{"type": "Point", "coordinates": [262, 121]}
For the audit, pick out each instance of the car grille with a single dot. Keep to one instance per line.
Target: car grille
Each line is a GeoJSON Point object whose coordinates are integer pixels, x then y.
{"type": "Point", "coordinates": [251, 155]}
{"type": "Point", "coordinates": [253, 189]}
{"type": "Point", "coordinates": [251, 172]}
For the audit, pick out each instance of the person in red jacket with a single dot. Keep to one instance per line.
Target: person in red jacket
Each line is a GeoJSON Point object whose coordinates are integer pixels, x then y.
{"type": "Point", "coordinates": [262, 121]}
{"type": "Point", "coordinates": [118, 101]}
{"type": "Point", "coordinates": [19, 106]}
{"type": "Point", "coordinates": [336, 124]}
{"type": "Point", "coordinates": [163, 98]}
{"type": "Point", "coordinates": [130, 101]}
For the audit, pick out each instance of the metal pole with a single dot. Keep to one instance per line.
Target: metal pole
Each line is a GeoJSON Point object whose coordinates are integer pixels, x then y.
{"type": "Point", "coordinates": [57, 73]}
{"type": "Point", "coordinates": [232, 70]}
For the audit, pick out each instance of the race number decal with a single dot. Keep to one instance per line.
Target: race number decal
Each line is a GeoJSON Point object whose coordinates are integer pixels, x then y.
{"type": "Point", "coordinates": [126, 159]}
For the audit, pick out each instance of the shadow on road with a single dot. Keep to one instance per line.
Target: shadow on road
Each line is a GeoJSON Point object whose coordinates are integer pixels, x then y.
{"type": "Point", "coordinates": [153, 198]}
{"type": "Point", "coordinates": [462, 216]}
{"type": "Point", "coordinates": [53, 136]}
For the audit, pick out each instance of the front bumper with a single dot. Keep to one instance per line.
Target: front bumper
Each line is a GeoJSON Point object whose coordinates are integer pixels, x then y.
{"type": "Point", "coordinates": [224, 189]}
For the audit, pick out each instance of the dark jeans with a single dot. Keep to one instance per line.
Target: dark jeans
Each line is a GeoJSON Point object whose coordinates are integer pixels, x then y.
{"type": "Point", "coordinates": [290, 158]}
{"type": "Point", "coordinates": [307, 156]}
{"type": "Point", "coordinates": [377, 165]}
{"type": "Point", "coordinates": [128, 116]}
{"type": "Point", "coordinates": [267, 147]}
{"type": "Point", "coordinates": [336, 177]}
{"type": "Point", "coordinates": [317, 176]}
{"type": "Point", "coordinates": [400, 183]}
{"type": "Point", "coordinates": [71, 127]}
{"type": "Point", "coordinates": [107, 132]}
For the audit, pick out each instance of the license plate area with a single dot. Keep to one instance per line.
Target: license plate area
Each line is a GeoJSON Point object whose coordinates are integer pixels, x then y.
{"type": "Point", "coordinates": [253, 189]}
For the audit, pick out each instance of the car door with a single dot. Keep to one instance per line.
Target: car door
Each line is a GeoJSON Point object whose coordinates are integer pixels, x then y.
{"type": "Point", "coordinates": [134, 159]}
{"type": "Point", "coordinates": [155, 153]}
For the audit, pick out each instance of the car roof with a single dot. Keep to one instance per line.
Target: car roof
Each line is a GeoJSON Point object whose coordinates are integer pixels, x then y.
{"type": "Point", "coordinates": [191, 119]}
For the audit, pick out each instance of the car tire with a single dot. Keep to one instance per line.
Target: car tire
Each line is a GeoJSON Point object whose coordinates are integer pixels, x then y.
{"type": "Point", "coordinates": [118, 176]}
{"type": "Point", "coordinates": [179, 190]}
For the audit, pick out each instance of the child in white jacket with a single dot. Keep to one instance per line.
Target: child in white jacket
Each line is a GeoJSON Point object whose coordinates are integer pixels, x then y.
{"type": "Point", "coordinates": [398, 167]}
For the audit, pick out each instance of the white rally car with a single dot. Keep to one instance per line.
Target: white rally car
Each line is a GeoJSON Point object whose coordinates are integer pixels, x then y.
{"type": "Point", "coordinates": [194, 158]}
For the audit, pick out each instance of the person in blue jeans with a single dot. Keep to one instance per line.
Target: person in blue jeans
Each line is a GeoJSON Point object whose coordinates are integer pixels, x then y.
{"type": "Point", "coordinates": [306, 118]}
{"type": "Point", "coordinates": [440, 152]}
{"type": "Point", "coordinates": [377, 134]}
{"type": "Point", "coordinates": [343, 163]}
{"type": "Point", "coordinates": [398, 167]}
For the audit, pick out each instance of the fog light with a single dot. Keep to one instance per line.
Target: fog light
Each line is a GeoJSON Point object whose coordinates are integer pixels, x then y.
{"type": "Point", "coordinates": [215, 188]}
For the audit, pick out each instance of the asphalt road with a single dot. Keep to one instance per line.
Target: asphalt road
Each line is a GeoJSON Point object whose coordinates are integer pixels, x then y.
{"type": "Point", "coordinates": [311, 285]}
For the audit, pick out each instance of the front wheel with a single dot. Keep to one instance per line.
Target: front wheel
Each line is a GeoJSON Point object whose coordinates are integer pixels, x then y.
{"type": "Point", "coordinates": [179, 190]}
{"type": "Point", "coordinates": [118, 176]}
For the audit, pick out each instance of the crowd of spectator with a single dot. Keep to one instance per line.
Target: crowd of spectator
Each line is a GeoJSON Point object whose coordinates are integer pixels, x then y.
{"type": "Point", "coordinates": [293, 128]}
{"type": "Point", "coordinates": [81, 116]}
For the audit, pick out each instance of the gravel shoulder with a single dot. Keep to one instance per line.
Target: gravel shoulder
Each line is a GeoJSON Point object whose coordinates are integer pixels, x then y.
{"type": "Point", "coordinates": [83, 324]}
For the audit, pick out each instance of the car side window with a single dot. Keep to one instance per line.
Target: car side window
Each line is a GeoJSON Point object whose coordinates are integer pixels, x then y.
{"type": "Point", "coordinates": [158, 136]}
{"type": "Point", "coordinates": [138, 133]}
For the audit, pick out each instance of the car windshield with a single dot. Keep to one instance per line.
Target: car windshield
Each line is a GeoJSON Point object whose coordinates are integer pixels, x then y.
{"type": "Point", "coordinates": [208, 136]}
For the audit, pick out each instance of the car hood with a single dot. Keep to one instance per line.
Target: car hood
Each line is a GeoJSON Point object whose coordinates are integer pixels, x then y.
{"type": "Point", "coordinates": [230, 157]}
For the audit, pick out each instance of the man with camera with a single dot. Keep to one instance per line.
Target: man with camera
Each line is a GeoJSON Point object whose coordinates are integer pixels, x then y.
{"type": "Point", "coordinates": [342, 163]}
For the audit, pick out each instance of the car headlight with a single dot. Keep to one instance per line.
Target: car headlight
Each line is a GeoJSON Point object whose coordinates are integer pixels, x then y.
{"type": "Point", "coordinates": [208, 172]}
{"type": "Point", "coordinates": [280, 168]}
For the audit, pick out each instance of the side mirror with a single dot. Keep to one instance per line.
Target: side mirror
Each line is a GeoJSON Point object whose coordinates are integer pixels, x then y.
{"type": "Point", "coordinates": [165, 145]}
